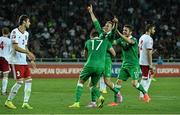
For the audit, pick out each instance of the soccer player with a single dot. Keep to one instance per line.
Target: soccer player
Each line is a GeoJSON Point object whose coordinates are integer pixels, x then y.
{"type": "Point", "coordinates": [145, 60]}
{"type": "Point", "coordinates": [19, 37]}
{"type": "Point", "coordinates": [130, 65]}
{"type": "Point", "coordinates": [108, 31]}
{"type": "Point", "coordinates": [95, 51]}
{"type": "Point", "coordinates": [5, 54]}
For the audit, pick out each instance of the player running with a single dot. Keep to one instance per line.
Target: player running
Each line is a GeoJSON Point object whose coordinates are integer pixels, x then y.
{"type": "Point", "coordinates": [130, 65]}
{"type": "Point", "coordinates": [106, 32]}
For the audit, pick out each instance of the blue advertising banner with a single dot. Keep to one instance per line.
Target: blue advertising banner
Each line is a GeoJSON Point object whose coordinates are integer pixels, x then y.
{"type": "Point", "coordinates": [115, 69]}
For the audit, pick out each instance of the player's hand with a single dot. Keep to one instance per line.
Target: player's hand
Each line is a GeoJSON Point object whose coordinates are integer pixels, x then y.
{"type": "Point", "coordinates": [33, 64]}
{"type": "Point", "coordinates": [90, 9]}
{"type": "Point", "coordinates": [31, 56]}
{"type": "Point", "coordinates": [151, 67]}
{"type": "Point", "coordinates": [115, 20]}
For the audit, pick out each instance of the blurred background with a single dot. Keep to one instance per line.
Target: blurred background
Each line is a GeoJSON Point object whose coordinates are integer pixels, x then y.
{"type": "Point", "coordinates": [59, 28]}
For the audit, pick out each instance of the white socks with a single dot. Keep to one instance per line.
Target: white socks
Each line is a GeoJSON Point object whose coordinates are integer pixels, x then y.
{"type": "Point", "coordinates": [14, 91]}
{"type": "Point", "coordinates": [146, 85]}
{"type": "Point", "coordinates": [27, 91]}
{"type": "Point", "coordinates": [102, 84]}
{"type": "Point", "coordinates": [4, 82]}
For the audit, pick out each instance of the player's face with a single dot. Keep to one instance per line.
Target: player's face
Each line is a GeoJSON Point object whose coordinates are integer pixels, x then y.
{"type": "Point", "coordinates": [126, 31]}
{"type": "Point", "coordinates": [107, 27]}
{"type": "Point", "coordinates": [27, 23]}
{"type": "Point", "coordinates": [153, 30]}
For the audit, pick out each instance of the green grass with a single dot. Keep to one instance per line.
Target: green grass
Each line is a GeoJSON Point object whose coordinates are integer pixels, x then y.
{"type": "Point", "coordinates": [52, 96]}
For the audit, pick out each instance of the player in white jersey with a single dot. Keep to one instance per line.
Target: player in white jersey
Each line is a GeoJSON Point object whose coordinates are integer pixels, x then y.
{"type": "Point", "coordinates": [20, 66]}
{"type": "Point", "coordinates": [5, 54]}
{"type": "Point", "coordinates": [145, 60]}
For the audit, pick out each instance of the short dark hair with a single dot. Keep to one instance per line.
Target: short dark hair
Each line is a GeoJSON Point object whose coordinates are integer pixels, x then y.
{"type": "Point", "coordinates": [149, 26]}
{"type": "Point", "coordinates": [22, 18]}
{"type": "Point", "coordinates": [94, 33]}
{"type": "Point", "coordinates": [110, 22]}
{"type": "Point", "coordinates": [129, 27]}
{"type": "Point", "coordinates": [5, 30]}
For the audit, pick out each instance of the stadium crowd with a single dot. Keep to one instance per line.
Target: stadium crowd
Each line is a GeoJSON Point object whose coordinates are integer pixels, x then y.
{"type": "Point", "coordinates": [59, 28]}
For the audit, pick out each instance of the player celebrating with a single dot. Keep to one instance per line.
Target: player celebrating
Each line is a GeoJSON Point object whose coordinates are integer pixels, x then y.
{"type": "Point", "coordinates": [19, 37]}
{"type": "Point", "coordinates": [107, 32]}
{"type": "Point", "coordinates": [95, 51]}
{"type": "Point", "coordinates": [5, 54]}
{"type": "Point", "coordinates": [145, 60]}
{"type": "Point", "coordinates": [130, 65]}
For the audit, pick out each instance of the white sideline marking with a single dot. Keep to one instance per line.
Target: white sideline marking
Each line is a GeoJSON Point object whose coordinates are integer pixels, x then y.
{"type": "Point", "coordinates": [165, 97]}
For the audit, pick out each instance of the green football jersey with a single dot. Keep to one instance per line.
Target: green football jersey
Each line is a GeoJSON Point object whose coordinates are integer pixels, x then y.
{"type": "Point", "coordinates": [102, 35]}
{"type": "Point", "coordinates": [97, 49]}
{"type": "Point", "coordinates": [110, 35]}
{"type": "Point", "coordinates": [129, 52]}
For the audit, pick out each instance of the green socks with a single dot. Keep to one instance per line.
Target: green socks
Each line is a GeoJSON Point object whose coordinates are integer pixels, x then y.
{"type": "Point", "coordinates": [140, 88]}
{"type": "Point", "coordinates": [79, 91]}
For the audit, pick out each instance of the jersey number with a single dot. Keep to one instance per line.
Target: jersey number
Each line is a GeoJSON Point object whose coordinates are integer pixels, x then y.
{"type": "Point", "coordinates": [2, 45]}
{"type": "Point", "coordinates": [100, 42]}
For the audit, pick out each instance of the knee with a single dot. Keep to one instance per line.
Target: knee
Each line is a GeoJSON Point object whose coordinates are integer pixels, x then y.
{"type": "Point", "coordinates": [119, 82]}
{"type": "Point", "coordinates": [106, 80]}
{"type": "Point", "coordinates": [134, 83]}
{"type": "Point", "coordinates": [80, 83]}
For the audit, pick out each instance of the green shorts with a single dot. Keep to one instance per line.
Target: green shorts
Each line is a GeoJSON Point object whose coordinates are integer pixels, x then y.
{"type": "Point", "coordinates": [94, 72]}
{"type": "Point", "coordinates": [108, 68]}
{"type": "Point", "coordinates": [126, 72]}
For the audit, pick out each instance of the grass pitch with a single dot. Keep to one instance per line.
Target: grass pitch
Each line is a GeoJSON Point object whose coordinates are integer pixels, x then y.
{"type": "Point", "coordinates": [53, 96]}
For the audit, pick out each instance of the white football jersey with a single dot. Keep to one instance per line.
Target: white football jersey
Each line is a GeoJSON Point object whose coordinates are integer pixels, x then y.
{"type": "Point", "coordinates": [145, 42]}
{"type": "Point", "coordinates": [5, 48]}
{"type": "Point", "coordinates": [21, 39]}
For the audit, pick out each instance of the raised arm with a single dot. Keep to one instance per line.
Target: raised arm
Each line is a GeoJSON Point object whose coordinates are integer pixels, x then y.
{"type": "Point", "coordinates": [130, 41]}
{"type": "Point", "coordinates": [112, 34]}
{"type": "Point", "coordinates": [94, 19]}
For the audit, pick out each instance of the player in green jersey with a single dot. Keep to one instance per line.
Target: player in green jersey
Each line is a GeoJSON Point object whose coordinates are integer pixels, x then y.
{"type": "Point", "coordinates": [130, 65]}
{"type": "Point", "coordinates": [95, 51]}
{"type": "Point", "coordinates": [108, 31]}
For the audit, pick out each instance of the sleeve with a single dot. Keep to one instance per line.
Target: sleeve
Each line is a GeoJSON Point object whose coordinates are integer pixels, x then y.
{"type": "Point", "coordinates": [13, 37]}
{"type": "Point", "coordinates": [135, 40]}
{"type": "Point", "coordinates": [98, 26]}
{"type": "Point", "coordinates": [149, 43]}
{"type": "Point", "coordinates": [109, 45]}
